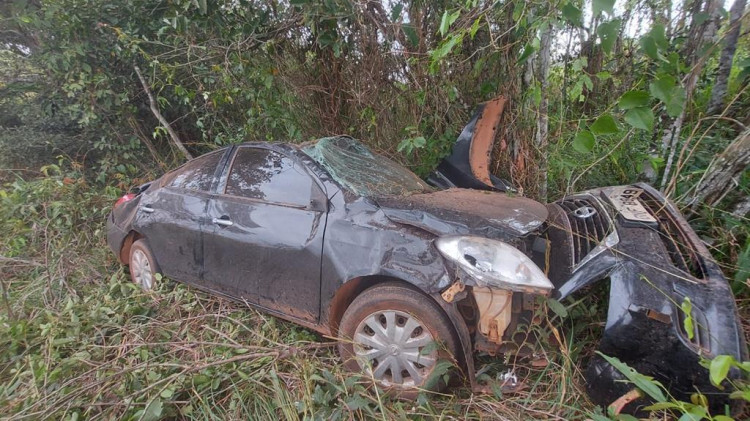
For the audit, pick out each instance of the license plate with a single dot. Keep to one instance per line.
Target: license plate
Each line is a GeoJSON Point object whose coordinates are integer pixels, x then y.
{"type": "Point", "coordinates": [625, 200]}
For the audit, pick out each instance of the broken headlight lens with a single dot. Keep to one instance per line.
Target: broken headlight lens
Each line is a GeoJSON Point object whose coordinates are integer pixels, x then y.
{"type": "Point", "coordinates": [494, 263]}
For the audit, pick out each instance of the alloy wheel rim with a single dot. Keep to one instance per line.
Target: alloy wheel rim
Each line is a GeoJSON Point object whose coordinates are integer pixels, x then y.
{"type": "Point", "coordinates": [142, 269]}
{"type": "Point", "coordinates": [391, 345]}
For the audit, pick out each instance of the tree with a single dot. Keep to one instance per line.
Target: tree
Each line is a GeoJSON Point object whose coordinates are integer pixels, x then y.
{"type": "Point", "coordinates": [719, 90]}
{"type": "Point", "coordinates": [723, 172]}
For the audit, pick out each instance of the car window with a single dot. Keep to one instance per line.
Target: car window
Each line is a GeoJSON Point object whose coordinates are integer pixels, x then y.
{"type": "Point", "coordinates": [197, 174]}
{"type": "Point", "coordinates": [270, 176]}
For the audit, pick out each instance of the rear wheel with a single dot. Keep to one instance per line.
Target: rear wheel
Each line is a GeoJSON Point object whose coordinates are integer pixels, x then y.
{"type": "Point", "coordinates": [143, 266]}
{"type": "Point", "coordinates": [397, 335]}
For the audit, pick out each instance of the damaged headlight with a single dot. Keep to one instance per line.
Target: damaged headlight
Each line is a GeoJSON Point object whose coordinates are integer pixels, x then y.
{"type": "Point", "coordinates": [494, 263]}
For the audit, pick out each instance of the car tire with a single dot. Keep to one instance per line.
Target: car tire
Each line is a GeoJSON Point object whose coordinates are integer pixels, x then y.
{"type": "Point", "coordinates": [142, 265]}
{"type": "Point", "coordinates": [373, 339]}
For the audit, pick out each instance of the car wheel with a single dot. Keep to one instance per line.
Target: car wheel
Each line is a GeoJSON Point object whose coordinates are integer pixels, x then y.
{"type": "Point", "coordinates": [397, 335]}
{"type": "Point", "coordinates": [143, 266]}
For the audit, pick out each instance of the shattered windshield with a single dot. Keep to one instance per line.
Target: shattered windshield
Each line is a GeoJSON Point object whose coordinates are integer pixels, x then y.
{"type": "Point", "coordinates": [353, 165]}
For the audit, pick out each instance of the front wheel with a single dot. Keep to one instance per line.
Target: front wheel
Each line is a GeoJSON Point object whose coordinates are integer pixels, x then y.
{"type": "Point", "coordinates": [397, 335]}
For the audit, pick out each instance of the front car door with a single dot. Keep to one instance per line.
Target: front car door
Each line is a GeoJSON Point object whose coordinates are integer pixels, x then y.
{"type": "Point", "coordinates": [266, 243]}
{"type": "Point", "coordinates": [171, 217]}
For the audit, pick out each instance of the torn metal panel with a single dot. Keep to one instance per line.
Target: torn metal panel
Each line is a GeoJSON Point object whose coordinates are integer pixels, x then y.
{"type": "Point", "coordinates": [483, 139]}
{"type": "Point", "coordinates": [468, 166]}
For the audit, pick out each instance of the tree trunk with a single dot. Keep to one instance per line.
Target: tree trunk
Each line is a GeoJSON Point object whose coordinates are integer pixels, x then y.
{"type": "Point", "coordinates": [701, 35]}
{"type": "Point", "coordinates": [542, 120]}
{"type": "Point", "coordinates": [719, 90]}
{"type": "Point", "coordinates": [721, 175]}
{"type": "Point", "coordinates": [163, 121]}
{"type": "Point", "coordinates": [742, 208]}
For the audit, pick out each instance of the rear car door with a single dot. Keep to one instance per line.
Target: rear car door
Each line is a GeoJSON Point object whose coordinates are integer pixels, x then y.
{"type": "Point", "coordinates": [267, 239]}
{"type": "Point", "coordinates": [171, 217]}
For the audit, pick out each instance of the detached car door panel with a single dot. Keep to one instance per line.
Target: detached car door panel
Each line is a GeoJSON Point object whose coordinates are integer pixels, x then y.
{"type": "Point", "coordinates": [267, 235]}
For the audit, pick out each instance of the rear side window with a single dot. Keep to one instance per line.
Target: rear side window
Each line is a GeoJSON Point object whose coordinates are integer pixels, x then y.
{"type": "Point", "coordinates": [269, 176]}
{"type": "Point", "coordinates": [197, 174]}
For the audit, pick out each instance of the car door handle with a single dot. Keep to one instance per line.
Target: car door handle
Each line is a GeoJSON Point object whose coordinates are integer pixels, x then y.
{"type": "Point", "coordinates": [147, 209]}
{"type": "Point", "coordinates": [223, 221]}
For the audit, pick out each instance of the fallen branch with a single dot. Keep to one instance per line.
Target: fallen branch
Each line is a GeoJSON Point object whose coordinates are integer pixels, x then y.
{"type": "Point", "coordinates": [163, 121]}
{"type": "Point", "coordinates": [723, 172]}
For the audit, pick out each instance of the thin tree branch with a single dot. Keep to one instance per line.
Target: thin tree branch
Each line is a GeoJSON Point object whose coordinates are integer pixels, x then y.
{"type": "Point", "coordinates": [163, 121]}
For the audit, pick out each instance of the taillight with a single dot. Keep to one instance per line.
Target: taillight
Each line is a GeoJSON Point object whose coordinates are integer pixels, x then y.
{"type": "Point", "coordinates": [125, 198]}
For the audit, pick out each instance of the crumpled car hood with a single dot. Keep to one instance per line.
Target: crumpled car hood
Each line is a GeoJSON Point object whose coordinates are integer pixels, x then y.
{"type": "Point", "coordinates": [465, 211]}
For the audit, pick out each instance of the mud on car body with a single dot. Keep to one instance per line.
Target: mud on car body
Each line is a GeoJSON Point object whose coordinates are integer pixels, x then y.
{"type": "Point", "coordinates": [333, 237]}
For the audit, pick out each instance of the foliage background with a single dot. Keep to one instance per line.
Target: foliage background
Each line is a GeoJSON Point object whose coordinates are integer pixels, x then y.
{"type": "Point", "coordinates": [596, 90]}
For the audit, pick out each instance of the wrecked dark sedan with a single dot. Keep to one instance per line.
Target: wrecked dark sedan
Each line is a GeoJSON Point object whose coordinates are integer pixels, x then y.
{"type": "Point", "coordinates": [333, 237]}
{"type": "Point", "coordinates": [346, 242]}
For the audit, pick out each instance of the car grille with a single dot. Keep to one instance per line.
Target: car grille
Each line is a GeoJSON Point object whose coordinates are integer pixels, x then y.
{"type": "Point", "coordinates": [682, 254]}
{"type": "Point", "coordinates": [588, 228]}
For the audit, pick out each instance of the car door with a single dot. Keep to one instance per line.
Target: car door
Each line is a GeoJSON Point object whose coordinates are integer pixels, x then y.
{"type": "Point", "coordinates": [267, 239]}
{"type": "Point", "coordinates": [171, 217]}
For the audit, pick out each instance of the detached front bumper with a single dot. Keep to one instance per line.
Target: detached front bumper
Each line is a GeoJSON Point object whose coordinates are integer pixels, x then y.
{"type": "Point", "coordinates": [653, 267]}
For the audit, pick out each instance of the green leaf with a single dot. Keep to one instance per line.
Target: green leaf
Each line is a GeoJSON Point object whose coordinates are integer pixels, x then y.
{"type": "Point", "coordinates": [660, 406]}
{"type": "Point", "coordinates": [444, 24]}
{"type": "Point", "coordinates": [557, 307]}
{"type": "Point", "coordinates": [676, 102]}
{"type": "Point", "coordinates": [658, 33]}
{"type": "Point", "coordinates": [695, 413]}
{"type": "Point", "coordinates": [528, 50]}
{"type": "Point", "coordinates": [662, 88]}
{"type": "Point", "coordinates": [396, 12]}
{"type": "Point", "coordinates": [475, 27]}
{"type": "Point", "coordinates": [411, 34]}
{"type": "Point", "coordinates": [640, 118]}
{"type": "Point", "coordinates": [648, 44]}
{"type": "Point", "coordinates": [647, 384]}
{"type": "Point", "coordinates": [608, 33]}
{"type": "Point", "coordinates": [572, 14]}
{"type": "Point", "coordinates": [634, 99]}
{"type": "Point", "coordinates": [605, 124]}
{"type": "Point", "coordinates": [587, 82]}
{"type": "Point", "coordinates": [446, 47]}
{"type": "Point", "coordinates": [447, 20]}
{"type": "Point", "coordinates": [152, 411]}
{"type": "Point", "coordinates": [665, 89]}
{"type": "Point", "coordinates": [584, 141]}
{"type": "Point", "coordinates": [536, 94]}
{"type": "Point", "coordinates": [720, 368]}
{"type": "Point", "coordinates": [599, 6]}
{"type": "Point", "coordinates": [740, 394]}
{"type": "Point", "coordinates": [687, 324]}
